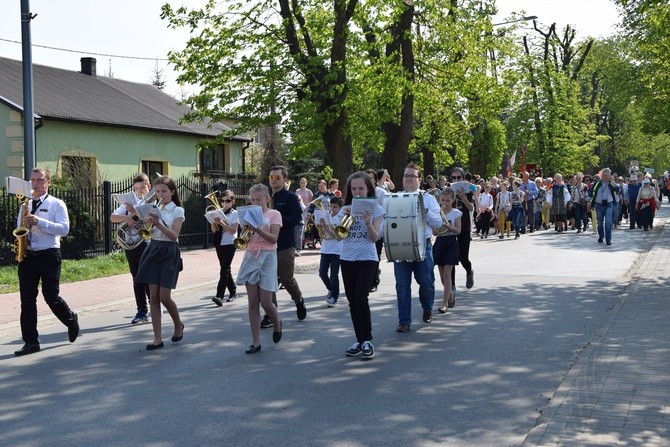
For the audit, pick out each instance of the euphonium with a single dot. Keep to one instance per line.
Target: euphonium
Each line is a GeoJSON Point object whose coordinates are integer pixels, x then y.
{"type": "Point", "coordinates": [242, 240]}
{"type": "Point", "coordinates": [342, 230]}
{"type": "Point", "coordinates": [130, 238]}
{"type": "Point", "coordinates": [21, 233]}
{"type": "Point", "coordinates": [443, 229]}
{"type": "Point", "coordinates": [214, 206]}
{"type": "Point", "coordinates": [318, 204]}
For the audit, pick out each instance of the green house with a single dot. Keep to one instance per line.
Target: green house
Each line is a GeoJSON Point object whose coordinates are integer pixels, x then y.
{"type": "Point", "coordinates": [98, 128]}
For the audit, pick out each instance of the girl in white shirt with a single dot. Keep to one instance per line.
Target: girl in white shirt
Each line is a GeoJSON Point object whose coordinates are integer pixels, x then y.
{"type": "Point", "coordinates": [485, 211]}
{"type": "Point", "coordinates": [161, 261]}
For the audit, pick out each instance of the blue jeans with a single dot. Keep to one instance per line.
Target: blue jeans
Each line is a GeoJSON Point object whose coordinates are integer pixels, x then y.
{"type": "Point", "coordinates": [581, 216]}
{"type": "Point", "coordinates": [517, 215]}
{"type": "Point", "coordinates": [424, 274]}
{"type": "Point", "coordinates": [604, 216]}
{"type": "Point", "coordinates": [332, 281]}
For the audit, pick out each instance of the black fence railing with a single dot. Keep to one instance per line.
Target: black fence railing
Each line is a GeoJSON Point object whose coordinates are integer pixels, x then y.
{"type": "Point", "coordinates": [91, 230]}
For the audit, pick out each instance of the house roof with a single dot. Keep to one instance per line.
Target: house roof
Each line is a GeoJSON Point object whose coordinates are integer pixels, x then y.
{"type": "Point", "coordinates": [66, 95]}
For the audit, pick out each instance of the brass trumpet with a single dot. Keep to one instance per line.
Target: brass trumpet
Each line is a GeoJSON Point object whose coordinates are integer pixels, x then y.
{"type": "Point", "coordinates": [443, 229]}
{"type": "Point", "coordinates": [342, 230]}
{"type": "Point", "coordinates": [242, 240]}
{"type": "Point", "coordinates": [214, 206]}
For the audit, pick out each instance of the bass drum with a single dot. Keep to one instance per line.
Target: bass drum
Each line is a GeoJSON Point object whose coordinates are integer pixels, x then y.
{"type": "Point", "coordinates": [405, 227]}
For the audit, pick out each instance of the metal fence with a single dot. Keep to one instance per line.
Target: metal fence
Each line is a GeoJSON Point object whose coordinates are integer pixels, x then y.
{"type": "Point", "coordinates": [91, 230]}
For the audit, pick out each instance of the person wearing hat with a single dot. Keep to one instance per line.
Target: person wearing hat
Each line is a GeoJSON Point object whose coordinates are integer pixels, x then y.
{"type": "Point", "coordinates": [646, 204]}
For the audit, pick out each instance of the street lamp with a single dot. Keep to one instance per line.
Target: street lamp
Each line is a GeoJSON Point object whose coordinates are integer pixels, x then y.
{"type": "Point", "coordinates": [522, 19]}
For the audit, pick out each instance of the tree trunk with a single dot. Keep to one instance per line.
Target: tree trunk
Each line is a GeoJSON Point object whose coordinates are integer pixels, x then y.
{"type": "Point", "coordinates": [339, 148]}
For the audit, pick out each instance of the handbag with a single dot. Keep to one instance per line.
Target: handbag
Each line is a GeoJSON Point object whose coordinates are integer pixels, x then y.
{"type": "Point", "coordinates": [181, 264]}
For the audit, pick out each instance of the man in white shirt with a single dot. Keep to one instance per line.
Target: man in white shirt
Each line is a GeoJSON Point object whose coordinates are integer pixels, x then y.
{"type": "Point", "coordinates": [47, 221]}
{"type": "Point", "coordinates": [423, 270]}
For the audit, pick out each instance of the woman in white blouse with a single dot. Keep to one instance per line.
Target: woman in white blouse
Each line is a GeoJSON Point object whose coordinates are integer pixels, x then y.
{"type": "Point", "coordinates": [160, 262]}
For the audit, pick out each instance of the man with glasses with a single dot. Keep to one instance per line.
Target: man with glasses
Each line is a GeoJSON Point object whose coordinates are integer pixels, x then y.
{"type": "Point", "coordinates": [287, 203]}
{"type": "Point", "coordinates": [423, 270]}
{"type": "Point", "coordinates": [464, 203]}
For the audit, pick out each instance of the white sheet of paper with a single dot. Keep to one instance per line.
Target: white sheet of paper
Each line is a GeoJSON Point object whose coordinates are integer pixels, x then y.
{"type": "Point", "coordinates": [127, 198]}
{"type": "Point", "coordinates": [211, 215]}
{"type": "Point", "coordinates": [359, 205]}
{"type": "Point", "coordinates": [144, 212]}
{"type": "Point", "coordinates": [18, 186]}
{"type": "Point", "coordinates": [319, 214]}
{"type": "Point", "coordinates": [251, 215]}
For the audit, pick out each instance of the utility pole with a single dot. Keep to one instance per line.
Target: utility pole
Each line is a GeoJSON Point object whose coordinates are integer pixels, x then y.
{"type": "Point", "coordinates": [28, 101]}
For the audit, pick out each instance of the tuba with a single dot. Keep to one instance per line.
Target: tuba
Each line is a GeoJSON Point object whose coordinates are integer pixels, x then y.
{"type": "Point", "coordinates": [131, 238]}
{"type": "Point", "coordinates": [21, 232]}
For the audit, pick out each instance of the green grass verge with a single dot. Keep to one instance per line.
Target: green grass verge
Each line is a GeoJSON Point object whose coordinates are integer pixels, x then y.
{"type": "Point", "coordinates": [72, 271]}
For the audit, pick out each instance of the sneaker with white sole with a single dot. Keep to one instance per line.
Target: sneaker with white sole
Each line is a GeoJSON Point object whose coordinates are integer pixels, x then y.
{"type": "Point", "coordinates": [354, 351]}
{"type": "Point", "coordinates": [332, 301]}
{"type": "Point", "coordinates": [367, 350]}
{"type": "Point", "coordinates": [140, 317]}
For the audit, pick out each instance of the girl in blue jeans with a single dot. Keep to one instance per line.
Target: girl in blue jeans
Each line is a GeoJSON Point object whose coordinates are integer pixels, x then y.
{"type": "Point", "coordinates": [517, 214]}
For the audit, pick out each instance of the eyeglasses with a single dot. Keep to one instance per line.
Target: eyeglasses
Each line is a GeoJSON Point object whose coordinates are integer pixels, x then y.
{"type": "Point", "coordinates": [410, 176]}
{"type": "Point", "coordinates": [227, 200]}
{"type": "Point", "coordinates": [456, 177]}
{"type": "Point", "coordinates": [275, 177]}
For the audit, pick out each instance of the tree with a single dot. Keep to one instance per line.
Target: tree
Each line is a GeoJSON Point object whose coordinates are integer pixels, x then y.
{"type": "Point", "coordinates": [158, 78]}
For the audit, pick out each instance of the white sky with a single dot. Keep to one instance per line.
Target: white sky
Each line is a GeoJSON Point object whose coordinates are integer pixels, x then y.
{"type": "Point", "coordinates": [134, 28]}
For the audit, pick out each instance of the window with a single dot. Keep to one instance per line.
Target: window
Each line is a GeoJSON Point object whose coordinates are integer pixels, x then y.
{"type": "Point", "coordinates": [80, 169]}
{"type": "Point", "coordinates": [153, 168]}
{"type": "Point", "coordinates": [213, 159]}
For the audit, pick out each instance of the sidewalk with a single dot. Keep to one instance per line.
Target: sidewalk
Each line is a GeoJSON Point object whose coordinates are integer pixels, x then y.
{"type": "Point", "coordinates": [617, 393]}
{"type": "Point", "coordinates": [201, 269]}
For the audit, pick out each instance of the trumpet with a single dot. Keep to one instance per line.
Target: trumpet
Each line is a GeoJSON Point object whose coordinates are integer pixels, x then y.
{"type": "Point", "coordinates": [214, 207]}
{"type": "Point", "coordinates": [145, 232]}
{"type": "Point", "coordinates": [443, 229]}
{"type": "Point", "coordinates": [342, 230]}
{"type": "Point", "coordinates": [242, 240]}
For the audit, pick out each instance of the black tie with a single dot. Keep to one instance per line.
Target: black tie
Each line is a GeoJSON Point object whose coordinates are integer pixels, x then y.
{"type": "Point", "coordinates": [36, 204]}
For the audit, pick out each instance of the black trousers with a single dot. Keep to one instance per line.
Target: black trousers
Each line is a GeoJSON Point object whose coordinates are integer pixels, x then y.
{"type": "Point", "coordinates": [225, 253]}
{"type": "Point", "coordinates": [463, 253]}
{"type": "Point", "coordinates": [41, 265]}
{"type": "Point", "coordinates": [357, 277]}
{"type": "Point", "coordinates": [141, 291]}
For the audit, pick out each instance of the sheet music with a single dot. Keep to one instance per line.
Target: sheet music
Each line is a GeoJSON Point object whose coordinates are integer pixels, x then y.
{"type": "Point", "coordinates": [212, 214]}
{"type": "Point", "coordinates": [319, 214]}
{"type": "Point", "coordinates": [251, 215]}
{"type": "Point", "coordinates": [359, 205]}
{"type": "Point", "coordinates": [18, 186]}
{"type": "Point", "coordinates": [144, 212]}
{"type": "Point", "coordinates": [461, 186]}
{"type": "Point", "coordinates": [127, 198]}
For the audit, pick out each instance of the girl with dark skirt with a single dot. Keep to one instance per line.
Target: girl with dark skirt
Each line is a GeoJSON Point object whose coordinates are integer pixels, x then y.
{"type": "Point", "coordinates": [160, 262]}
{"type": "Point", "coordinates": [445, 249]}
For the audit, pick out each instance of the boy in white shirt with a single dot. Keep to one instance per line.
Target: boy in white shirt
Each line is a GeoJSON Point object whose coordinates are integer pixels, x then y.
{"type": "Point", "coordinates": [331, 248]}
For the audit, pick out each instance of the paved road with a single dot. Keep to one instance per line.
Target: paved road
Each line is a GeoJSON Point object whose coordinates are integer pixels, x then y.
{"type": "Point", "coordinates": [486, 374]}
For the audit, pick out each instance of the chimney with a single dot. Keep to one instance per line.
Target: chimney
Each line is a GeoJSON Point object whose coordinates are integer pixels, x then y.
{"type": "Point", "coordinates": [88, 66]}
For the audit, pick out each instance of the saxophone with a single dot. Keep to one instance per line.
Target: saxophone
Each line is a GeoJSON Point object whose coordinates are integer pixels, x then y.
{"type": "Point", "coordinates": [21, 232]}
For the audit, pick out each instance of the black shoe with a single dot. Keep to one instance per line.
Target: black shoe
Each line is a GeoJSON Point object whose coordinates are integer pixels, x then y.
{"type": "Point", "coordinates": [231, 297]}
{"type": "Point", "coordinates": [427, 316]}
{"type": "Point", "coordinates": [470, 279]}
{"type": "Point", "coordinates": [176, 339]}
{"type": "Point", "coordinates": [276, 336]}
{"type": "Point", "coordinates": [600, 240]}
{"type": "Point", "coordinates": [608, 242]}
{"type": "Point", "coordinates": [373, 289]}
{"type": "Point", "coordinates": [266, 322]}
{"type": "Point", "coordinates": [154, 347]}
{"type": "Point", "coordinates": [301, 310]}
{"type": "Point", "coordinates": [253, 349]}
{"type": "Point", "coordinates": [402, 327]}
{"type": "Point", "coordinates": [28, 348]}
{"type": "Point", "coordinates": [218, 301]}
{"type": "Point", "coordinates": [73, 328]}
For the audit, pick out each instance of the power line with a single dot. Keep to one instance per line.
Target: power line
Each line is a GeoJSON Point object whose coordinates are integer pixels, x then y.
{"type": "Point", "coordinates": [88, 52]}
